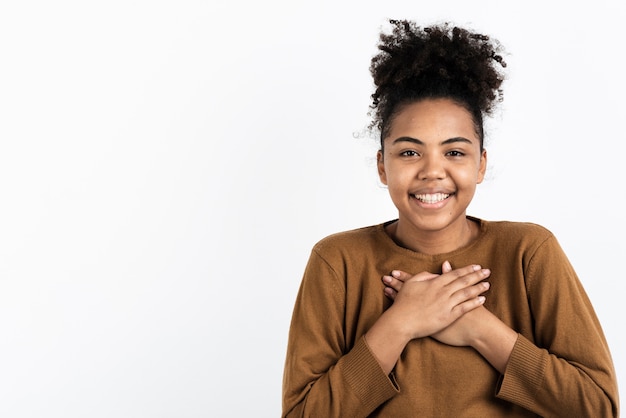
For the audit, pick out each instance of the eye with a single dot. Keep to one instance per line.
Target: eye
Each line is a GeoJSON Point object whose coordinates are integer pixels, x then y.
{"type": "Point", "coordinates": [455, 153]}
{"type": "Point", "coordinates": [409, 153]}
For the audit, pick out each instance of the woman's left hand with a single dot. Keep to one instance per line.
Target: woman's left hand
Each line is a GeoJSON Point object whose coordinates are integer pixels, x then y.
{"type": "Point", "coordinates": [461, 332]}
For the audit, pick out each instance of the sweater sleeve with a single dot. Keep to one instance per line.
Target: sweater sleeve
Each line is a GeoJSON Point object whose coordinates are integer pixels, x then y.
{"type": "Point", "coordinates": [565, 368]}
{"type": "Point", "coordinates": [323, 377]}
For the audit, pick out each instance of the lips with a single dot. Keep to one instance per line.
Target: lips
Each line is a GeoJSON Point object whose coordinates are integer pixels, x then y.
{"type": "Point", "coordinates": [431, 197]}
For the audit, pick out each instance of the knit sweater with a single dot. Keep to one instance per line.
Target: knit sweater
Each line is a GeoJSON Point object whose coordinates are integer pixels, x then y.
{"type": "Point", "coordinates": [560, 364]}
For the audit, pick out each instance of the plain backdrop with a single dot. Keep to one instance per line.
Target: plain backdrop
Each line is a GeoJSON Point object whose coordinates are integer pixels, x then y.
{"type": "Point", "coordinates": [166, 167]}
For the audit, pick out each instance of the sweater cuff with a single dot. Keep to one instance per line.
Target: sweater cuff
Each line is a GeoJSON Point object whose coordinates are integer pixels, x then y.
{"type": "Point", "coordinates": [366, 378]}
{"type": "Point", "coordinates": [524, 373]}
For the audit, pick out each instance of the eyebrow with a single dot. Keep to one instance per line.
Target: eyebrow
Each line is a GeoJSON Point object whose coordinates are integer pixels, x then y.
{"type": "Point", "coordinates": [419, 142]}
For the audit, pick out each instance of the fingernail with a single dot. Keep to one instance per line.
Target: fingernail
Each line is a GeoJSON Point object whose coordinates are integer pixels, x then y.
{"type": "Point", "coordinates": [476, 267]}
{"type": "Point", "coordinates": [395, 273]}
{"type": "Point", "coordinates": [481, 299]}
{"type": "Point", "coordinates": [386, 279]}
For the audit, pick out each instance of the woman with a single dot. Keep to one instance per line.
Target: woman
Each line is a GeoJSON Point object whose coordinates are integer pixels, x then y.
{"type": "Point", "coordinates": [438, 313]}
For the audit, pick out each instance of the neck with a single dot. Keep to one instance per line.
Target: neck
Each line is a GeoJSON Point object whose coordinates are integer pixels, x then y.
{"type": "Point", "coordinates": [434, 241]}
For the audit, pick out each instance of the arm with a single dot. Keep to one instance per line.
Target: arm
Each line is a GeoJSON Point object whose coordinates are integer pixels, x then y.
{"type": "Point", "coordinates": [325, 377]}
{"type": "Point", "coordinates": [565, 367]}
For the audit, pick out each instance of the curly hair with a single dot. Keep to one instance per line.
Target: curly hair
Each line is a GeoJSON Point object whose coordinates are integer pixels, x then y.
{"type": "Point", "coordinates": [440, 61]}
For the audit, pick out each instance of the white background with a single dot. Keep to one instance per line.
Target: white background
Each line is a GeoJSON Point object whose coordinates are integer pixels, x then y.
{"type": "Point", "coordinates": [166, 167]}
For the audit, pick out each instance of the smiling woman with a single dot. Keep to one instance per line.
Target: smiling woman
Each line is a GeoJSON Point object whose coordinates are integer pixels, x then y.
{"type": "Point", "coordinates": [439, 313]}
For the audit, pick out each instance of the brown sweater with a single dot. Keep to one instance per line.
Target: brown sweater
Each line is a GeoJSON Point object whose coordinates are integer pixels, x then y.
{"type": "Point", "coordinates": [560, 365]}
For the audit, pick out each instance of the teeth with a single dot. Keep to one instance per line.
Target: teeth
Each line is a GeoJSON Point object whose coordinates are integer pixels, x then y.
{"type": "Point", "coordinates": [431, 198]}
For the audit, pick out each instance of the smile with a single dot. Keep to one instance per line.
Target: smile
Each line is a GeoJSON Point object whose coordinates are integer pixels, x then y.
{"type": "Point", "coordinates": [431, 198]}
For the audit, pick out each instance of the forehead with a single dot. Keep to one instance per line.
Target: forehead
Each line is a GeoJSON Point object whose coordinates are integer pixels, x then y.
{"type": "Point", "coordinates": [433, 119]}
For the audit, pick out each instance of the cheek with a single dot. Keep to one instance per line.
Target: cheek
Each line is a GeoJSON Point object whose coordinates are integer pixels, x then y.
{"type": "Point", "coordinates": [398, 177]}
{"type": "Point", "coordinates": [467, 178]}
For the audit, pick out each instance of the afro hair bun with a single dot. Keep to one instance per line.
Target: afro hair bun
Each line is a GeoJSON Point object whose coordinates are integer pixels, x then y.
{"type": "Point", "coordinates": [438, 61]}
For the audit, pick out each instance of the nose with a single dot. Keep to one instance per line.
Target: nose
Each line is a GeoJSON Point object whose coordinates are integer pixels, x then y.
{"type": "Point", "coordinates": [432, 168]}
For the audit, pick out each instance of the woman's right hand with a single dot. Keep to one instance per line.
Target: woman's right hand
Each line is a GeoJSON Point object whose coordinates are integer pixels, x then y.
{"type": "Point", "coordinates": [428, 303]}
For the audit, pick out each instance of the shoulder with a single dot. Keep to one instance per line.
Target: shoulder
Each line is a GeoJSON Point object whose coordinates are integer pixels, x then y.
{"type": "Point", "coordinates": [533, 245]}
{"type": "Point", "coordinates": [517, 231]}
{"type": "Point", "coordinates": [353, 242]}
{"type": "Point", "coordinates": [354, 237]}
{"type": "Point", "coordinates": [521, 238]}
{"type": "Point", "coordinates": [525, 240]}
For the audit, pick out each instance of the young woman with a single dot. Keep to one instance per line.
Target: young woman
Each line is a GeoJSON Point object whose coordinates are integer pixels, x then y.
{"type": "Point", "coordinates": [438, 313]}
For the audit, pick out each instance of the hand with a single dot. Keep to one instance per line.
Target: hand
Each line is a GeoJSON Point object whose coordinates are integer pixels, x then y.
{"type": "Point", "coordinates": [477, 327]}
{"type": "Point", "coordinates": [462, 332]}
{"type": "Point", "coordinates": [429, 303]}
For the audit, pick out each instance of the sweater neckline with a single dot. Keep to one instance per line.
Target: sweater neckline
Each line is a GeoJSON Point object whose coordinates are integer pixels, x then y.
{"type": "Point", "coordinates": [390, 243]}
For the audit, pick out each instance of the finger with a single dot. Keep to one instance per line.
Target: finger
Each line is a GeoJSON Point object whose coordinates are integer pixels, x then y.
{"type": "Point", "coordinates": [401, 275]}
{"type": "Point", "coordinates": [467, 306]}
{"type": "Point", "coordinates": [392, 283]}
{"type": "Point", "coordinates": [396, 280]}
{"type": "Point", "coordinates": [470, 293]}
{"type": "Point", "coordinates": [468, 275]}
{"type": "Point", "coordinates": [390, 293]}
{"type": "Point", "coordinates": [398, 277]}
{"type": "Point", "coordinates": [423, 276]}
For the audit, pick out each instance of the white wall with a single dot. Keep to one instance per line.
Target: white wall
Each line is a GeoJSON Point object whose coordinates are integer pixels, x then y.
{"type": "Point", "coordinates": [166, 166]}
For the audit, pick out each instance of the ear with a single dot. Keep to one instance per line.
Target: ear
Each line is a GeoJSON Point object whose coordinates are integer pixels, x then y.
{"type": "Point", "coordinates": [482, 167]}
{"type": "Point", "coordinates": [380, 162]}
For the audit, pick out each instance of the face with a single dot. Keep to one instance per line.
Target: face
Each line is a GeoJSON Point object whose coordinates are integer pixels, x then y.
{"type": "Point", "coordinates": [431, 164]}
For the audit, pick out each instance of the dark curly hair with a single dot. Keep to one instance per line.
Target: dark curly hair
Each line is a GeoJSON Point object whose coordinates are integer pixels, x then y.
{"type": "Point", "coordinates": [440, 61]}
